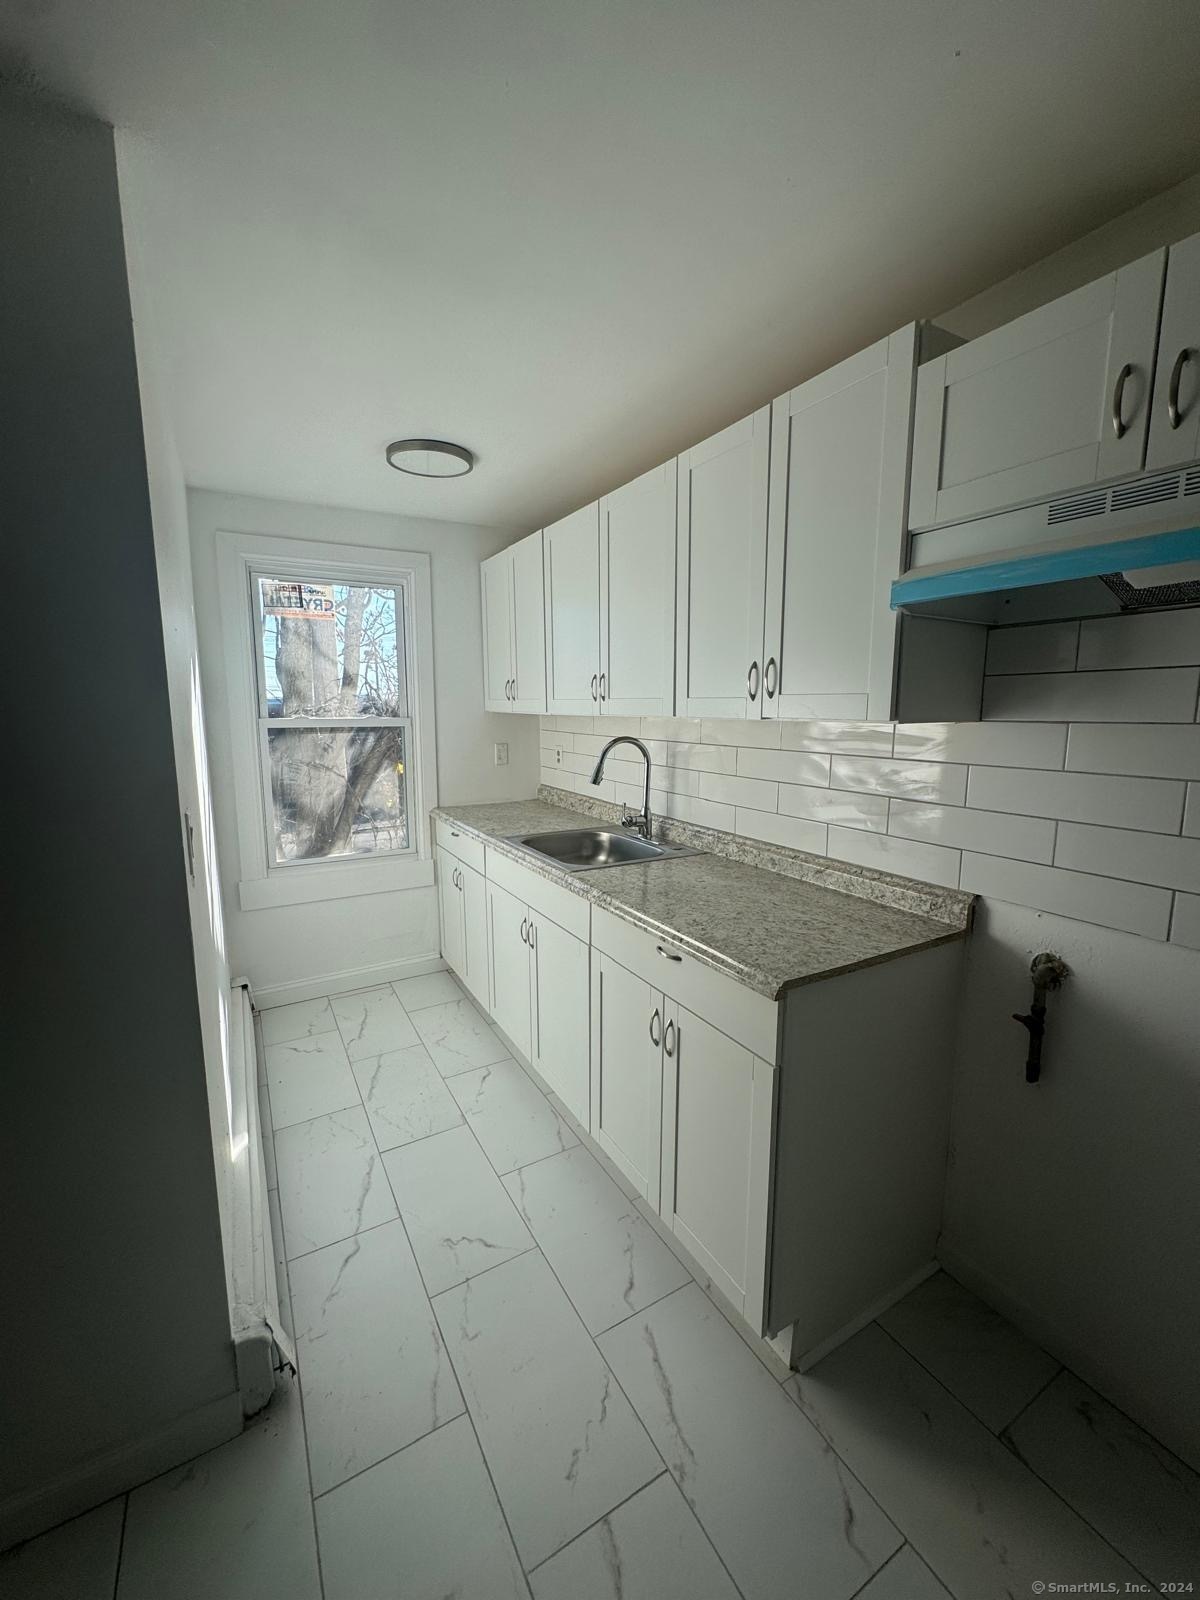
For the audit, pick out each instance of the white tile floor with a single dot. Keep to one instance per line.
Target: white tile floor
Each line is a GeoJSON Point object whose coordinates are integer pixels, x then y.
{"type": "Point", "coordinates": [510, 1386]}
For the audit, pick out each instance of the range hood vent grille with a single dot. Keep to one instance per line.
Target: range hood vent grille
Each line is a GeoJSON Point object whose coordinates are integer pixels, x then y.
{"type": "Point", "coordinates": [1143, 491]}
{"type": "Point", "coordinates": [1076, 506]}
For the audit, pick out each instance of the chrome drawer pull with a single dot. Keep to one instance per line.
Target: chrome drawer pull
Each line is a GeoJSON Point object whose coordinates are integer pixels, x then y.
{"type": "Point", "coordinates": [669, 1039]}
{"type": "Point", "coordinates": [655, 1022]}
{"type": "Point", "coordinates": [1120, 427]}
{"type": "Point", "coordinates": [1174, 415]}
{"type": "Point", "coordinates": [669, 954]}
{"type": "Point", "coordinates": [752, 681]}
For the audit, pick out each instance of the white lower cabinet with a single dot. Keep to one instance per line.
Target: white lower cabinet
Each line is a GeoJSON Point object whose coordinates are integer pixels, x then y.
{"type": "Point", "coordinates": [560, 997]}
{"type": "Point", "coordinates": [461, 905]}
{"type": "Point", "coordinates": [627, 1036]}
{"type": "Point", "coordinates": [508, 939]}
{"type": "Point", "coordinates": [451, 909]}
{"type": "Point", "coordinates": [718, 1111]}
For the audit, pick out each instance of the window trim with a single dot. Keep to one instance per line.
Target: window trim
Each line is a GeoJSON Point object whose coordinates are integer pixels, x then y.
{"type": "Point", "coordinates": [262, 881]}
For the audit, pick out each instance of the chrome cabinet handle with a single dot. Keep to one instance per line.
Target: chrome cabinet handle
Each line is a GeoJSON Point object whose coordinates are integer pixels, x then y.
{"type": "Point", "coordinates": [513, 681]}
{"type": "Point", "coordinates": [752, 679]}
{"type": "Point", "coordinates": [524, 930]}
{"type": "Point", "coordinates": [508, 688]}
{"type": "Point", "coordinates": [1174, 415]}
{"type": "Point", "coordinates": [669, 954]}
{"type": "Point", "coordinates": [454, 835]}
{"type": "Point", "coordinates": [656, 1022]}
{"type": "Point", "coordinates": [1120, 427]}
{"type": "Point", "coordinates": [532, 940]}
{"type": "Point", "coordinates": [669, 1039]}
{"type": "Point", "coordinates": [595, 681]}
{"type": "Point", "coordinates": [771, 679]}
{"type": "Point", "coordinates": [604, 686]}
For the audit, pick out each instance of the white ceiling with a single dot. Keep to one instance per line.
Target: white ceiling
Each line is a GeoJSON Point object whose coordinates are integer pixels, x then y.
{"type": "Point", "coordinates": [579, 235]}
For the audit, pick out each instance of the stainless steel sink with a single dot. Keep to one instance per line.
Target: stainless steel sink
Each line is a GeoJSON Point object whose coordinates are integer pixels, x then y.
{"type": "Point", "coordinates": [582, 849]}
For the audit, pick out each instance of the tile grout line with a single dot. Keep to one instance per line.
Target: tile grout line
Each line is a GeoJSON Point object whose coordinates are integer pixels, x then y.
{"type": "Point", "coordinates": [1012, 1451]}
{"type": "Point", "coordinates": [575, 1537]}
{"type": "Point", "coordinates": [120, 1547]}
{"type": "Point", "coordinates": [1033, 1399]}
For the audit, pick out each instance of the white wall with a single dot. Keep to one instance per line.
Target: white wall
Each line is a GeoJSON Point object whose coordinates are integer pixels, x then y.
{"type": "Point", "coordinates": [301, 949]}
{"type": "Point", "coordinates": [116, 1353]}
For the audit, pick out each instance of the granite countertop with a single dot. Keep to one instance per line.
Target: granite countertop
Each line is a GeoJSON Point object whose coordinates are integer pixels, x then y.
{"type": "Point", "coordinates": [767, 929]}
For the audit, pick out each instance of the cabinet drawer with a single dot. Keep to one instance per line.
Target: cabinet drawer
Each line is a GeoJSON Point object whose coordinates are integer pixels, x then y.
{"type": "Point", "coordinates": [749, 1018]}
{"type": "Point", "coordinates": [570, 911]}
{"type": "Point", "coordinates": [465, 846]}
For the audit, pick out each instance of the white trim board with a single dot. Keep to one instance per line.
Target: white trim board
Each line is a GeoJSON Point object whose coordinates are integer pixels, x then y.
{"type": "Point", "coordinates": [283, 994]}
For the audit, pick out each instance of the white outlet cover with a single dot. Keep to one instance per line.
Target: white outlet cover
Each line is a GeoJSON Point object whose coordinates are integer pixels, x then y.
{"type": "Point", "coordinates": [501, 755]}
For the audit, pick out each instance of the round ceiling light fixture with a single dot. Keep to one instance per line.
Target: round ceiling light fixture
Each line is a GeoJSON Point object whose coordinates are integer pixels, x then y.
{"type": "Point", "coordinates": [429, 458]}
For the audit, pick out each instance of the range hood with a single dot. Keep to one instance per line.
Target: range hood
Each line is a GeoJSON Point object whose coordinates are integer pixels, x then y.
{"type": "Point", "coordinates": [1132, 547]}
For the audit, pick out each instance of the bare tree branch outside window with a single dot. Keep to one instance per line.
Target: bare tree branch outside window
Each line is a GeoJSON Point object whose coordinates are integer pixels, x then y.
{"type": "Point", "coordinates": [335, 651]}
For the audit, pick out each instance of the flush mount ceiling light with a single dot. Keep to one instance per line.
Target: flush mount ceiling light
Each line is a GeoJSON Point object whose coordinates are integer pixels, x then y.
{"type": "Point", "coordinates": [429, 458]}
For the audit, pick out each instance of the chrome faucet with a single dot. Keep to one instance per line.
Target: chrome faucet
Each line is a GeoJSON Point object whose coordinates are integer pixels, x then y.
{"type": "Point", "coordinates": [631, 819]}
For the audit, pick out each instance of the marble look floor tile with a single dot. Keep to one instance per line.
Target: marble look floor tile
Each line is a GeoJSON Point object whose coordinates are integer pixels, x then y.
{"type": "Point", "coordinates": [331, 1181]}
{"type": "Point", "coordinates": [430, 989]}
{"type": "Point", "coordinates": [308, 1077]}
{"type": "Point", "coordinates": [458, 1216]}
{"type": "Point", "coordinates": [905, 1577]}
{"type": "Point", "coordinates": [236, 1522]}
{"type": "Point", "coordinates": [782, 1511]}
{"type": "Point", "coordinates": [75, 1561]}
{"type": "Point", "coordinates": [374, 1371]}
{"type": "Point", "coordinates": [458, 1037]}
{"type": "Point", "coordinates": [561, 1439]}
{"type": "Point", "coordinates": [265, 1131]}
{"type": "Point", "coordinates": [423, 1525]}
{"type": "Point", "coordinates": [405, 1096]}
{"type": "Point", "coordinates": [651, 1548]}
{"type": "Point", "coordinates": [980, 1357]}
{"type": "Point", "coordinates": [510, 1116]}
{"type": "Point", "coordinates": [980, 1518]}
{"type": "Point", "coordinates": [605, 1254]}
{"type": "Point", "coordinates": [1144, 1500]}
{"type": "Point", "coordinates": [298, 1021]}
{"type": "Point", "coordinates": [372, 1021]}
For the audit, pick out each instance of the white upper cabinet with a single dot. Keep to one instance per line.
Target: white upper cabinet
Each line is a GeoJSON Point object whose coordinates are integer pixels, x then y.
{"type": "Point", "coordinates": [514, 639]}
{"type": "Point", "coordinates": [1054, 401]}
{"type": "Point", "coordinates": [496, 580]}
{"type": "Point", "coordinates": [839, 458]}
{"type": "Point", "coordinates": [637, 596]}
{"type": "Point", "coordinates": [722, 551]}
{"type": "Point", "coordinates": [572, 599]}
{"type": "Point", "coordinates": [1175, 417]}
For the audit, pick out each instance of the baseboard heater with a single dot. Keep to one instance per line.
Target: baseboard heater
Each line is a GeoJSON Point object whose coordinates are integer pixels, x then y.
{"type": "Point", "coordinates": [261, 1343]}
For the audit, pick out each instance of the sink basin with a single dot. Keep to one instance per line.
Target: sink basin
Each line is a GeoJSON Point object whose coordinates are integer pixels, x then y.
{"type": "Point", "coordinates": [581, 849]}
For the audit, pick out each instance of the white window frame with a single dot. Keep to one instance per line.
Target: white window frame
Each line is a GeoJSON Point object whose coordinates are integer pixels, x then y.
{"type": "Point", "coordinates": [264, 882]}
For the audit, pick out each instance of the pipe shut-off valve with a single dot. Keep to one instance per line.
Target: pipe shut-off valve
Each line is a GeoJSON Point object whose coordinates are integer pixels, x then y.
{"type": "Point", "coordinates": [1048, 972]}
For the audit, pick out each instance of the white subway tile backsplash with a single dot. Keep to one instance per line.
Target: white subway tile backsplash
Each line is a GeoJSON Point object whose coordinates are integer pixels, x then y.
{"type": "Point", "coordinates": [1151, 750]}
{"type": "Point", "coordinates": [573, 724]}
{"type": "Point", "coordinates": [1123, 853]}
{"type": "Point", "coordinates": [845, 738]}
{"type": "Point", "coordinates": [604, 790]}
{"type": "Point", "coordinates": [992, 832]}
{"type": "Point", "coordinates": [1132, 907]}
{"type": "Point", "coordinates": [1191, 811]}
{"type": "Point", "coordinates": [796, 833]}
{"type": "Point", "coordinates": [1185, 924]}
{"type": "Point", "coordinates": [1155, 639]}
{"type": "Point", "coordinates": [756, 735]}
{"type": "Point", "coordinates": [704, 813]}
{"type": "Point", "coordinates": [1044, 647]}
{"type": "Point", "coordinates": [685, 729]}
{"type": "Point", "coordinates": [1167, 694]}
{"type": "Point", "coordinates": [788, 766]}
{"type": "Point", "coordinates": [931, 862]}
{"type": "Point", "coordinates": [554, 777]}
{"type": "Point", "coordinates": [739, 791]}
{"type": "Point", "coordinates": [835, 806]}
{"type": "Point", "coordinates": [988, 744]}
{"type": "Point", "coordinates": [1150, 803]}
{"type": "Point", "coordinates": [703, 757]}
{"type": "Point", "coordinates": [679, 780]}
{"type": "Point", "coordinates": [911, 780]}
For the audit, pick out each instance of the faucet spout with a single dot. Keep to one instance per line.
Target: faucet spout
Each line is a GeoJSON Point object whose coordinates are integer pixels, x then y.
{"type": "Point", "coordinates": [632, 819]}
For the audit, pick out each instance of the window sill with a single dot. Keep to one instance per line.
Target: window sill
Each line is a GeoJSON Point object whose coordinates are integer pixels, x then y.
{"type": "Point", "coordinates": [333, 881]}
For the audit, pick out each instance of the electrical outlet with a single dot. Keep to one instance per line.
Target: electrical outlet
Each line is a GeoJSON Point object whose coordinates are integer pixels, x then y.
{"type": "Point", "coordinates": [558, 755]}
{"type": "Point", "coordinates": [501, 755]}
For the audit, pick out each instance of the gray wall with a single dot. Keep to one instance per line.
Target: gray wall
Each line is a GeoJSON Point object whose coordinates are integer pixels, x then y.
{"type": "Point", "coordinates": [116, 1355]}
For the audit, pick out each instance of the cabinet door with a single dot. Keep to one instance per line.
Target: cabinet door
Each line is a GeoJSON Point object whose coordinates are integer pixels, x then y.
{"type": "Point", "coordinates": [450, 907]}
{"type": "Point", "coordinates": [627, 1021]}
{"type": "Point", "coordinates": [495, 576]}
{"type": "Point", "coordinates": [508, 923]}
{"type": "Point", "coordinates": [1175, 414]}
{"type": "Point", "coordinates": [1028, 410]}
{"type": "Point", "coordinates": [839, 453]}
{"type": "Point", "coordinates": [718, 1118]}
{"type": "Point", "coordinates": [561, 1021]}
{"type": "Point", "coordinates": [637, 596]}
{"type": "Point", "coordinates": [572, 580]}
{"type": "Point", "coordinates": [472, 895]}
{"type": "Point", "coordinates": [528, 627]}
{"type": "Point", "coordinates": [722, 551]}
